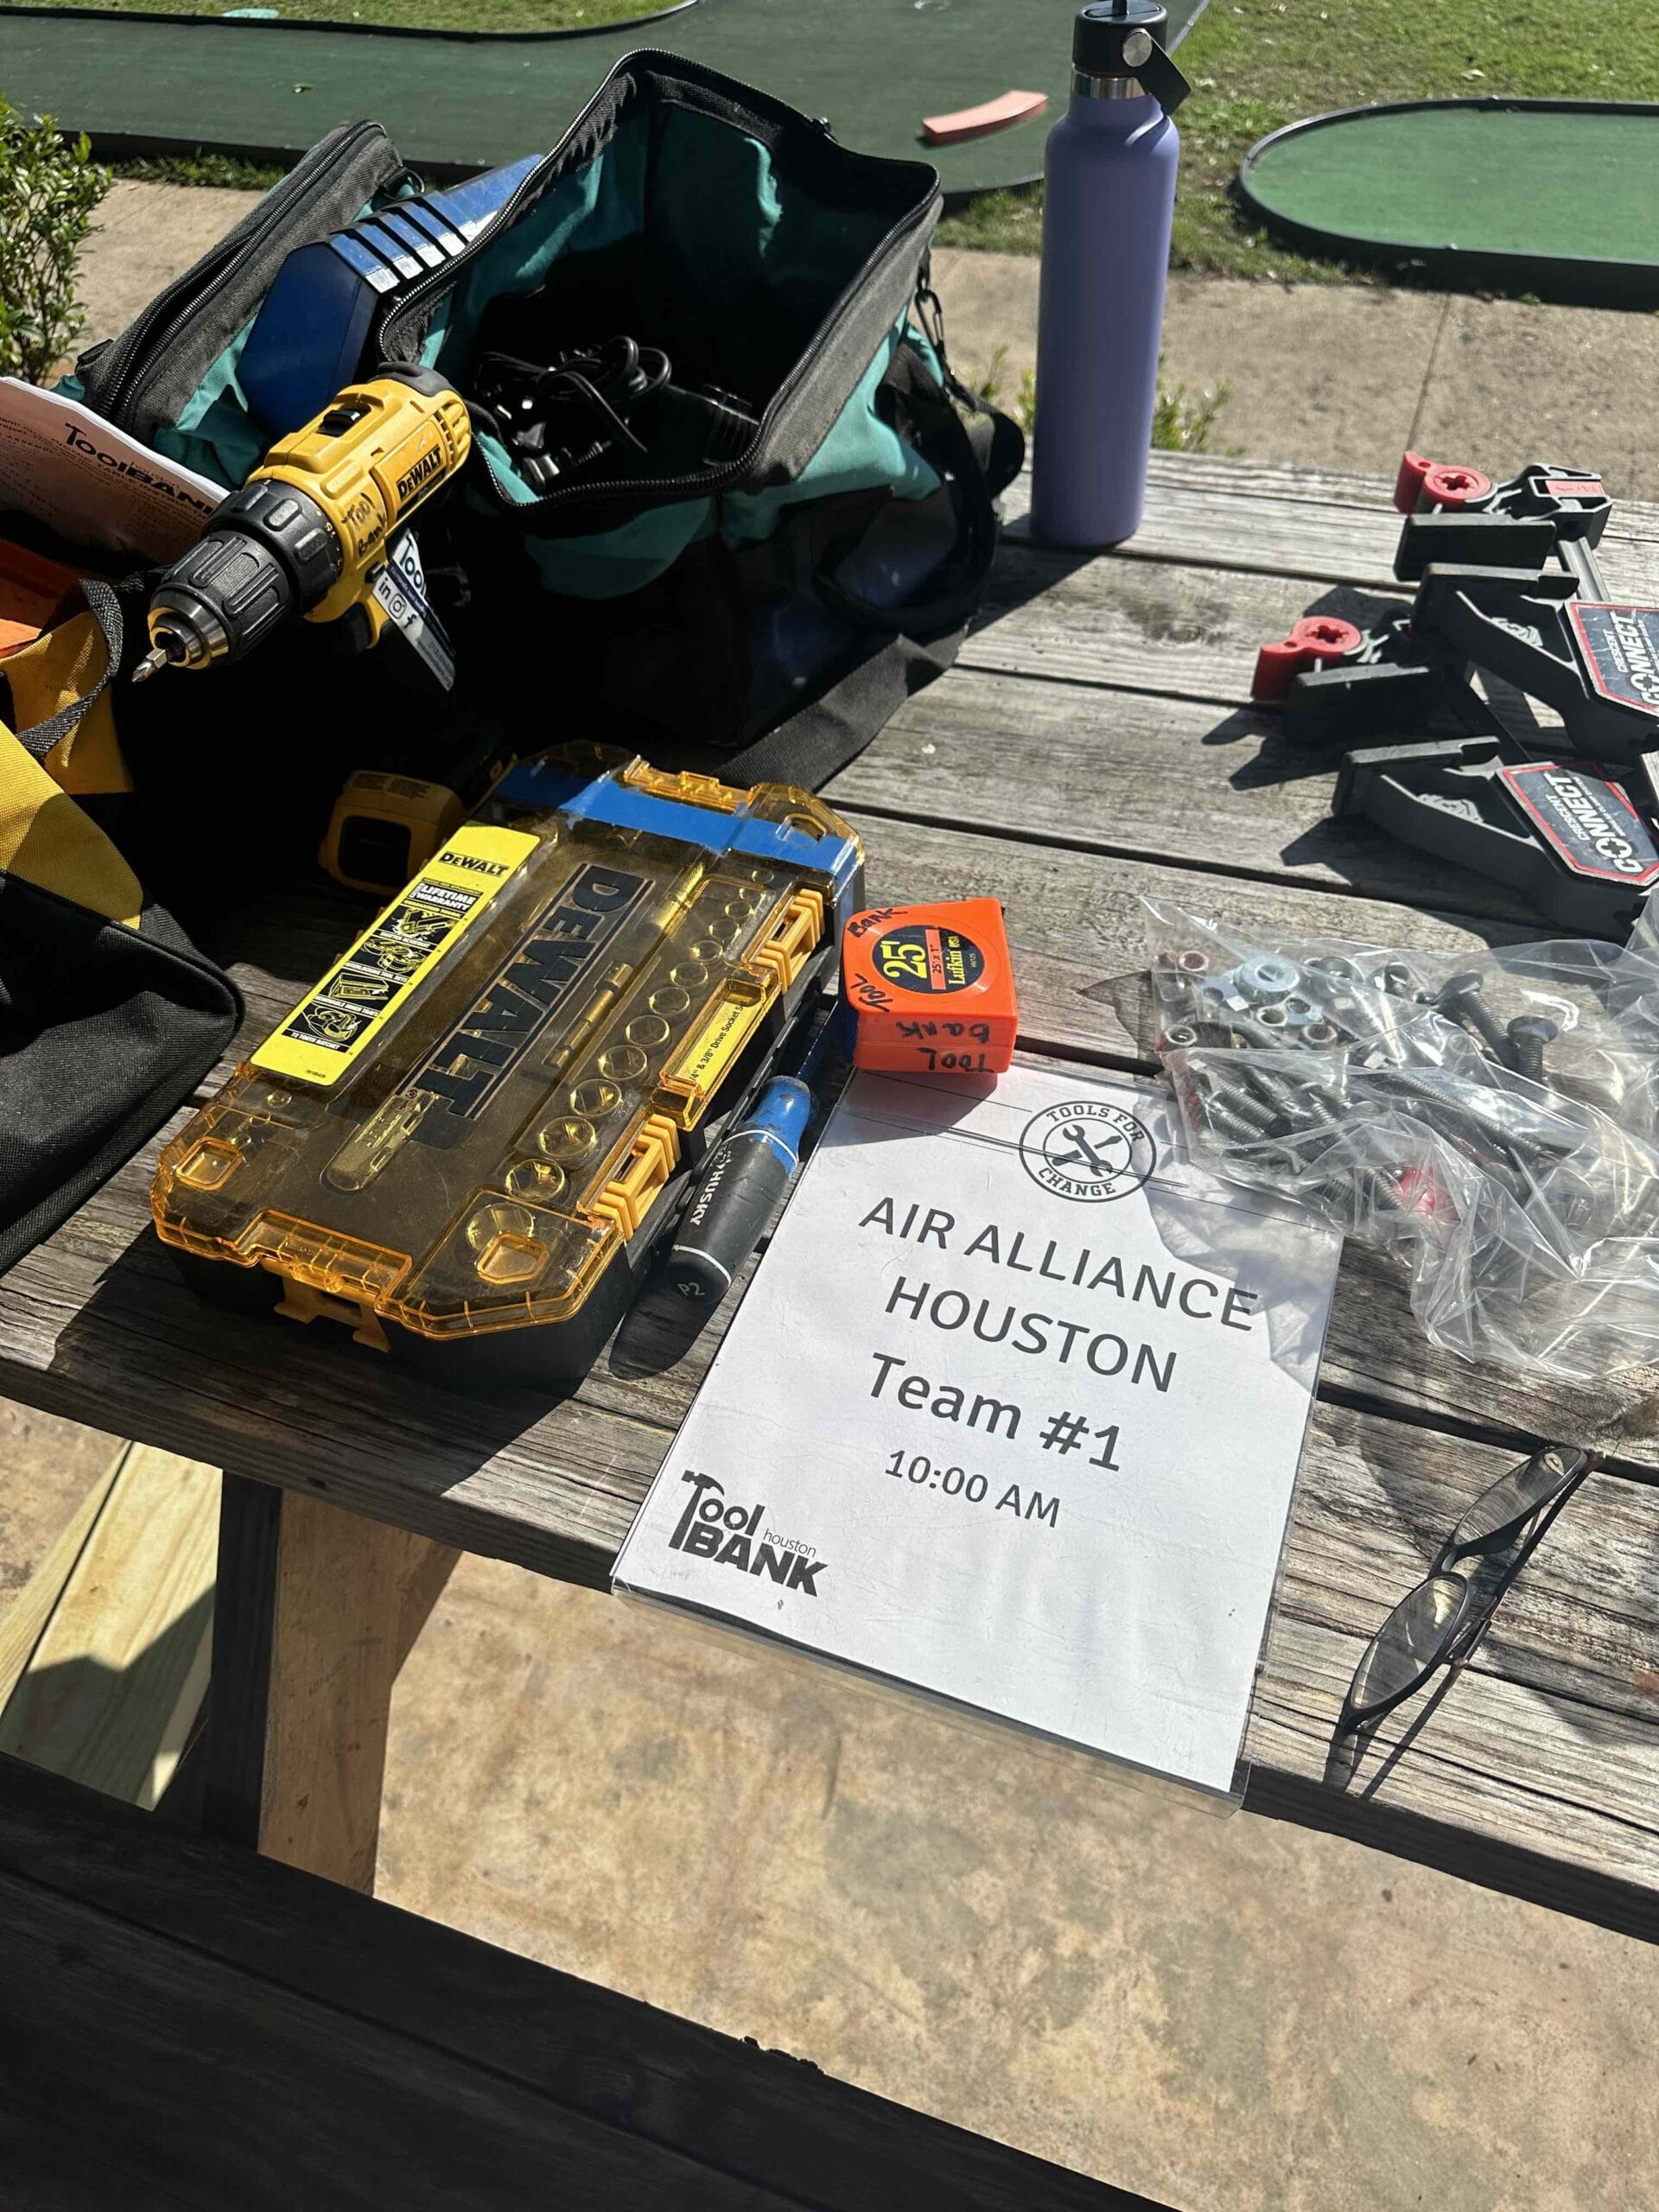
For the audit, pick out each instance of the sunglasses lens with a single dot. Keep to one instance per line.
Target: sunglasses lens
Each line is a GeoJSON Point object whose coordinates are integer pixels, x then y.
{"type": "Point", "coordinates": [1521, 1494]}
{"type": "Point", "coordinates": [1411, 1643]}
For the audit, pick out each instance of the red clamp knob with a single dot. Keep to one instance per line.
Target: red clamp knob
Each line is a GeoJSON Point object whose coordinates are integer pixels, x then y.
{"type": "Point", "coordinates": [1425, 483]}
{"type": "Point", "coordinates": [1313, 642]}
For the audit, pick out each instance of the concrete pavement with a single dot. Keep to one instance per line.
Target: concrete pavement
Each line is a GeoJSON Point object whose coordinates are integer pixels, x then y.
{"type": "Point", "coordinates": [1342, 377]}
{"type": "Point", "coordinates": [1349, 376]}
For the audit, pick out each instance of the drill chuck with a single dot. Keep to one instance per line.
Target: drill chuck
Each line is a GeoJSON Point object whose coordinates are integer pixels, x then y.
{"type": "Point", "coordinates": [305, 534]}
{"type": "Point", "coordinates": [270, 552]}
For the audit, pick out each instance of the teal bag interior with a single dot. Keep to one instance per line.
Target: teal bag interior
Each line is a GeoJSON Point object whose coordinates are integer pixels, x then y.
{"type": "Point", "coordinates": [679, 232]}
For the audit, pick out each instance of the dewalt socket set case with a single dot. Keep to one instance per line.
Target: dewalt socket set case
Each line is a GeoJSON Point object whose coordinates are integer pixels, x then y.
{"type": "Point", "coordinates": [465, 1140]}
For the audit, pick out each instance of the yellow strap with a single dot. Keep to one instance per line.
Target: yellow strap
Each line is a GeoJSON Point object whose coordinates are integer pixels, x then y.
{"type": "Point", "coordinates": [47, 841]}
{"type": "Point", "coordinates": [51, 673]}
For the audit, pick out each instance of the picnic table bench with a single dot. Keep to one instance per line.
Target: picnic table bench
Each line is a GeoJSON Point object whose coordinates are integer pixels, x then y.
{"type": "Point", "coordinates": [1094, 744]}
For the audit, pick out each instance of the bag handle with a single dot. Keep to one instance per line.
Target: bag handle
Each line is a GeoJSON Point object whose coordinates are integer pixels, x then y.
{"type": "Point", "coordinates": [817, 742]}
{"type": "Point", "coordinates": [39, 738]}
{"type": "Point", "coordinates": [986, 451]}
{"type": "Point", "coordinates": [973, 473]}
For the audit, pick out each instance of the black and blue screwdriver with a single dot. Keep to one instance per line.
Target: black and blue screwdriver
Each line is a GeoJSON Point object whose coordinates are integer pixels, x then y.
{"type": "Point", "coordinates": [747, 1175]}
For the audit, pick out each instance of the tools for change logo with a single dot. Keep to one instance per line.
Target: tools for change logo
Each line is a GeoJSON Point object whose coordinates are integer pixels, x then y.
{"type": "Point", "coordinates": [1087, 1150]}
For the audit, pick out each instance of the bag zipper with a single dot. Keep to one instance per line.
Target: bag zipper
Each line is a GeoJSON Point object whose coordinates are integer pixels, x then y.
{"type": "Point", "coordinates": [144, 341]}
{"type": "Point", "coordinates": [723, 479]}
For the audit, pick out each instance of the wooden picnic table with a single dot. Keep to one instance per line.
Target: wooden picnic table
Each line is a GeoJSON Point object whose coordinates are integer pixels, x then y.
{"type": "Point", "coordinates": [1094, 744]}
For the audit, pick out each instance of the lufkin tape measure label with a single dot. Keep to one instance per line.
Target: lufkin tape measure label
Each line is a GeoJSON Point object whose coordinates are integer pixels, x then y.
{"type": "Point", "coordinates": [1621, 651]}
{"type": "Point", "coordinates": [330, 1028]}
{"type": "Point", "coordinates": [1588, 824]}
{"type": "Point", "coordinates": [921, 957]}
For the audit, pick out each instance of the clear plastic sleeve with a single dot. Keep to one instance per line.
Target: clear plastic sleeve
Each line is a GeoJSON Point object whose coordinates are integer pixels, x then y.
{"type": "Point", "coordinates": [1492, 1119]}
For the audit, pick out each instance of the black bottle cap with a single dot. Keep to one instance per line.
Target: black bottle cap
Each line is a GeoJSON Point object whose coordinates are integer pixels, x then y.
{"type": "Point", "coordinates": [1098, 36]}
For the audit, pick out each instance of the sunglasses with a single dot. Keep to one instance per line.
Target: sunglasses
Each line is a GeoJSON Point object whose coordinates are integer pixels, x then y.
{"type": "Point", "coordinates": [1442, 1621]}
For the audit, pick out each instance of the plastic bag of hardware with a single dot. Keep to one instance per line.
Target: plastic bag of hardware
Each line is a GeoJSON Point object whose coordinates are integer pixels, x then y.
{"type": "Point", "coordinates": [1493, 1119]}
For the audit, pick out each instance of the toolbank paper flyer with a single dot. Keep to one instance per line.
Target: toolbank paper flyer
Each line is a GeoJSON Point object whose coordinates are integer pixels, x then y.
{"type": "Point", "coordinates": [1012, 1415]}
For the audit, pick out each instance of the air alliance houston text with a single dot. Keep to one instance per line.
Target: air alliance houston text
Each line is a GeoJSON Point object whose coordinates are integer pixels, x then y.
{"type": "Point", "coordinates": [1065, 1339]}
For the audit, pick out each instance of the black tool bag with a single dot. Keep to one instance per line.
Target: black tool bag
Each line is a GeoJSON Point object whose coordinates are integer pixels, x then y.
{"type": "Point", "coordinates": [769, 577]}
{"type": "Point", "coordinates": [750, 566]}
{"type": "Point", "coordinates": [109, 1016]}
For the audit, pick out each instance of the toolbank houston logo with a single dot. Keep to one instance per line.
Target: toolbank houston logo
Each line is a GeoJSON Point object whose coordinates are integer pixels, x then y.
{"type": "Point", "coordinates": [1088, 1150]}
{"type": "Point", "coordinates": [738, 1536]}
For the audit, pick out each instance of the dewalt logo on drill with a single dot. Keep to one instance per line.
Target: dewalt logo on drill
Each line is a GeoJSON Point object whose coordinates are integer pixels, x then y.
{"type": "Point", "coordinates": [412, 478]}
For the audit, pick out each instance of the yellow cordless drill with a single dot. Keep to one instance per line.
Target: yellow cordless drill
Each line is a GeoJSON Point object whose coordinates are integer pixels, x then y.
{"type": "Point", "coordinates": [307, 532]}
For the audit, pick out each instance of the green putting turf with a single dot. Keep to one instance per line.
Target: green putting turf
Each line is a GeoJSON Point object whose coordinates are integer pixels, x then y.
{"type": "Point", "coordinates": [1541, 182]}
{"type": "Point", "coordinates": [873, 67]}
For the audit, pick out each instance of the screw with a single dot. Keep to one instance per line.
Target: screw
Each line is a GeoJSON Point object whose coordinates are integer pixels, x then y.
{"type": "Point", "coordinates": [1248, 1118]}
{"type": "Point", "coordinates": [1460, 997]}
{"type": "Point", "coordinates": [1529, 1033]}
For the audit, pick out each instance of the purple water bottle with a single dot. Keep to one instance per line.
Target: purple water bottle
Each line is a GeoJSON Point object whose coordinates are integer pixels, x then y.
{"type": "Point", "coordinates": [1110, 171]}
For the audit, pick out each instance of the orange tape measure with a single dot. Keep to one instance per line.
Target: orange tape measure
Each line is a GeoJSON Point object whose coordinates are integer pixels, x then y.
{"type": "Point", "coordinates": [930, 988]}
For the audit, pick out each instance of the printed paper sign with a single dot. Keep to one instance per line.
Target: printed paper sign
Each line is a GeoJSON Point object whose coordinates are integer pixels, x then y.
{"type": "Point", "coordinates": [1011, 1414]}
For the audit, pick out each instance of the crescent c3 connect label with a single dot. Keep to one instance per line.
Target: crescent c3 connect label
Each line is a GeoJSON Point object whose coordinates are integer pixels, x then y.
{"type": "Point", "coordinates": [1589, 823]}
{"type": "Point", "coordinates": [1621, 651]}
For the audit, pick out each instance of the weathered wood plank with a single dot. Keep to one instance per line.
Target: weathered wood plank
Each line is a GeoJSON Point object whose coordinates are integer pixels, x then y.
{"type": "Point", "coordinates": [1158, 779]}
{"type": "Point", "coordinates": [308, 2105]}
{"type": "Point", "coordinates": [1548, 1742]}
{"type": "Point", "coordinates": [29, 1612]}
{"type": "Point", "coordinates": [114, 1682]}
{"type": "Point", "coordinates": [1633, 521]}
{"type": "Point", "coordinates": [1222, 514]}
{"type": "Point", "coordinates": [1076, 927]}
{"type": "Point", "coordinates": [1171, 628]}
{"type": "Point", "coordinates": [345, 1993]}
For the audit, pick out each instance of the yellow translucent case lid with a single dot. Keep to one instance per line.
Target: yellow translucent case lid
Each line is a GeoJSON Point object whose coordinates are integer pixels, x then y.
{"type": "Point", "coordinates": [465, 1121]}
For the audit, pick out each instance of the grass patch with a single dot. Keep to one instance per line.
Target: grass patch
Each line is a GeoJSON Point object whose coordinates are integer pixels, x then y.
{"type": "Point", "coordinates": [422, 15]}
{"type": "Point", "coordinates": [221, 170]}
{"type": "Point", "coordinates": [1256, 65]}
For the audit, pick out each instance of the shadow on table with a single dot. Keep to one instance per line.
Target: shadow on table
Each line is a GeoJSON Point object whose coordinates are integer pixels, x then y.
{"type": "Point", "coordinates": [256, 1394]}
{"type": "Point", "coordinates": [1578, 1598]}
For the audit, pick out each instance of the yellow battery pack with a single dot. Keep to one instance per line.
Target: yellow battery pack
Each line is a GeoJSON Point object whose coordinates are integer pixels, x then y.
{"type": "Point", "coordinates": [465, 1140]}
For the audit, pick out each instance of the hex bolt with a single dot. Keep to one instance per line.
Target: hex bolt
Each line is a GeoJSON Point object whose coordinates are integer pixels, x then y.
{"type": "Point", "coordinates": [1225, 1122]}
{"type": "Point", "coordinates": [1296, 1101]}
{"type": "Point", "coordinates": [1460, 996]}
{"type": "Point", "coordinates": [1234, 1113]}
{"type": "Point", "coordinates": [1529, 1033]}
